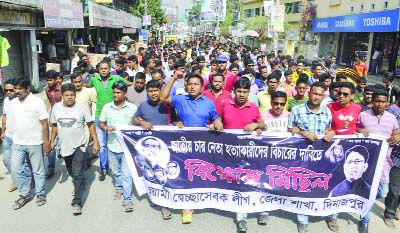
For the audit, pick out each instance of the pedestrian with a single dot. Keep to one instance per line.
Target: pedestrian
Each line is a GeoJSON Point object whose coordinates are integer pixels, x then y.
{"type": "Point", "coordinates": [194, 110]}
{"type": "Point", "coordinates": [30, 115]}
{"type": "Point", "coordinates": [311, 120]}
{"type": "Point", "coordinates": [103, 84]}
{"type": "Point", "coordinates": [68, 121]}
{"type": "Point", "coordinates": [118, 112]}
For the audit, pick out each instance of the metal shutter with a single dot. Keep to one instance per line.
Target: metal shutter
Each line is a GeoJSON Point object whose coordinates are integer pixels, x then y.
{"type": "Point", "coordinates": [16, 67]}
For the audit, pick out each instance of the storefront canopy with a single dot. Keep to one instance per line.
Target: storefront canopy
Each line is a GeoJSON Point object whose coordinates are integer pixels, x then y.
{"type": "Point", "coordinates": [251, 33]}
{"type": "Point", "coordinates": [383, 21]}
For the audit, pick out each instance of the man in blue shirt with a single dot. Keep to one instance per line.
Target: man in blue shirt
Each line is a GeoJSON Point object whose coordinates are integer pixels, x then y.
{"type": "Point", "coordinates": [194, 110]}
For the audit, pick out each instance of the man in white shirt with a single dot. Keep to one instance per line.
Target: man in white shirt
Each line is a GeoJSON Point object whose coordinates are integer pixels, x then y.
{"type": "Point", "coordinates": [30, 115]}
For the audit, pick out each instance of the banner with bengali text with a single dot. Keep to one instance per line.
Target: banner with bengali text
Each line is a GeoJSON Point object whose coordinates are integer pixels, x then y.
{"type": "Point", "coordinates": [193, 168]}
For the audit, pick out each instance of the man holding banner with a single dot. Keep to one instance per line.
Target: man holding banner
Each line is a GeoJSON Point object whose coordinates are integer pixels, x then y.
{"type": "Point", "coordinates": [240, 113]}
{"type": "Point", "coordinates": [311, 120]}
{"type": "Point", "coordinates": [380, 122]}
{"type": "Point", "coordinates": [118, 112]}
{"type": "Point", "coordinates": [194, 110]}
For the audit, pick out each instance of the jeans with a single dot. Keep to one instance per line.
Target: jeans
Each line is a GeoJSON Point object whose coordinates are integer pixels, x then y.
{"type": "Point", "coordinates": [102, 137]}
{"type": "Point", "coordinates": [382, 192]}
{"type": "Point", "coordinates": [303, 219]}
{"type": "Point", "coordinates": [392, 200]}
{"type": "Point", "coordinates": [7, 145]}
{"type": "Point", "coordinates": [243, 216]}
{"type": "Point", "coordinates": [76, 164]}
{"type": "Point", "coordinates": [122, 177]}
{"type": "Point", "coordinates": [51, 158]}
{"type": "Point", "coordinates": [19, 157]}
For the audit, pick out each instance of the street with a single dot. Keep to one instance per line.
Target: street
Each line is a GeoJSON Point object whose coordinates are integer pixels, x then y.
{"type": "Point", "coordinates": [104, 215]}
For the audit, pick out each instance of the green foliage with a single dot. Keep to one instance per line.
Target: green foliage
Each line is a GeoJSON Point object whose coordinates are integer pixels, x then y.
{"type": "Point", "coordinates": [153, 9]}
{"type": "Point", "coordinates": [224, 25]}
{"type": "Point", "coordinates": [258, 24]}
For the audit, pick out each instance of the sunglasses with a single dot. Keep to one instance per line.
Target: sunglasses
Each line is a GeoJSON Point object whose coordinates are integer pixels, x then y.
{"type": "Point", "coordinates": [343, 93]}
{"type": "Point", "coordinates": [277, 103]}
{"type": "Point", "coordinates": [250, 65]}
{"type": "Point", "coordinates": [9, 90]}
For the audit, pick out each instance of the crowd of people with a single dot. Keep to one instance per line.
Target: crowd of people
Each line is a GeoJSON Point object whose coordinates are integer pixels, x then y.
{"type": "Point", "coordinates": [202, 83]}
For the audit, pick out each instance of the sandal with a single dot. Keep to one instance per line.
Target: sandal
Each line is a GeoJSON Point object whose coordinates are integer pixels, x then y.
{"type": "Point", "coordinates": [128, 207]}
{"type": "Point", "coordinates": [389, 223]}
{"type": "Point", "coordinates": [76, 209]}
{"type": "Point", "coordinates": [20, 202]}
{"type": "Point", "coordinates": [333, 225]}
{"type": "Point", "coordinates": [166, 214]}
{"type": "Point", "coordinates": [397, 216]}
{"type": "Point", "coordinates": [117, 195]}
{"type": "Point", "coordinates": [302, 228]}
{"type": "Point", "coordinates": [12, 188]}
{"type": "Point", "coordinates": [187, 216]}
{"type": "Point", "coordinates": [40, 200]}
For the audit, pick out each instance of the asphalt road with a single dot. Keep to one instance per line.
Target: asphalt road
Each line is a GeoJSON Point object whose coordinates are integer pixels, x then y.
{"type": "Point", "coordinates": [102, 214]}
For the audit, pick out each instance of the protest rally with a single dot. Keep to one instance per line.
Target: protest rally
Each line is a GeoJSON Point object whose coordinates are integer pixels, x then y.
{"type": "Point", "coordinates": [119, 118]}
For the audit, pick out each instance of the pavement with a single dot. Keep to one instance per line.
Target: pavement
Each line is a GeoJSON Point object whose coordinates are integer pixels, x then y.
{"type": "Point", "coordinates": [102, 214]}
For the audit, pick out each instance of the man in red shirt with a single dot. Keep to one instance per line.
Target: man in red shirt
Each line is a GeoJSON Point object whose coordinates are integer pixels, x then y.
{"type": "Point", "coordinates": [217, 94]}
{"type": "Point", "coordinates": [344, 111]}
{"type": "Point", "coordinates": [240, 113]}
{"type": "Point", "coordinates": [361, 68]}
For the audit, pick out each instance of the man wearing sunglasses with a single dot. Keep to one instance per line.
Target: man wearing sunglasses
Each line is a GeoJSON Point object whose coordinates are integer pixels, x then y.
{"type": "Point", "coordinates": [344, 111]}
{"type": "Point", "coordinates": [276, 118]}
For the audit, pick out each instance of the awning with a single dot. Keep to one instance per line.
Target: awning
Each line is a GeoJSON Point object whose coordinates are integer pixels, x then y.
{"type": "Point", "coordinates": [251, 33]}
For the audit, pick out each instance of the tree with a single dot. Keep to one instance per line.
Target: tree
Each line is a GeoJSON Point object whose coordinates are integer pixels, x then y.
{"type": "Point", "coordinates": [153, 9]}
{"type": "Point", "coordinates": [258, 24]}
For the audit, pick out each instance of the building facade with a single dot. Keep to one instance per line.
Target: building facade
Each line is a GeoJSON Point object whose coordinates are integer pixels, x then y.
{"type": "Point", "coordinates": [366, 28]}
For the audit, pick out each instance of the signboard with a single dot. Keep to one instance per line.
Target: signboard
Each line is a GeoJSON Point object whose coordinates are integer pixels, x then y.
{"type": "Point", "coordinates": [213, 9]}
{"type": "Point", "coordinates": [171, 12]}
{"type": "Point", "coordinates": [277, 18]}
{"type": "Point", "coordinates": [34, 3]}
{"type": "Point", "coordinates": [63, 14]}
{"type": "Point", "coordinates": [147, 20]}
{"type": "Point", "coordinates": [383, 21]}
{"type": "Point", "coordinates": [104, 1]}
{"type": "Point", "coordinates": [102, 16]}
{"type": "Point", "coordinates": [248, 173]}
{"type": "Point", "coordinates": [9, 17]}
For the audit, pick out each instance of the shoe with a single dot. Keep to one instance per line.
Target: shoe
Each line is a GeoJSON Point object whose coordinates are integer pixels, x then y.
{"type": "Point", "coordinates": [76, 209]}
{"type": "Point", "coordinates": [128, 207]}
{"type": "Point", "coordinates": [187, 216]}
{"type": "Point", "coordinates": [166, 214]}
{"type": "Point", "coordinates": [20, 202]}
{"type": "Point", "coordinates": [50, 173]}
{"type": "Point", "coordinates": [362, 227]}
{"type": "Point", "coordinates": [389, 223]}
{"type": "Point", "coordinates": [102, 176]}
{"type": "Point", "coordinates": [40, 200]}
{"type": "Point", "coordinates": [397, 216]}
{"type": "Point", "coordinates": [262, 219]}
{"type": "Point", "coordinates": [242, 226]}
{"type": "Point", "coordinates": [117, 195]}
{"type": "Point", "coordinates": [302, 228]}
{"type": "Point", "coordinates": [332, 224]}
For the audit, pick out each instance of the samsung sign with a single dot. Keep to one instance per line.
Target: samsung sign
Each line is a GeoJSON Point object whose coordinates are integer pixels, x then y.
{"type": "Point", "coordinates": [383, 21]}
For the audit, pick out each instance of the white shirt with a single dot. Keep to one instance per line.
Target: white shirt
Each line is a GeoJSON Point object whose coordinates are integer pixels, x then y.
{"type": "Point", "coordinates": [9, 120]}
{"type": "Point", "coordinates": [132, 73]}
{"type": "Point", "coordinates": [27, 115]}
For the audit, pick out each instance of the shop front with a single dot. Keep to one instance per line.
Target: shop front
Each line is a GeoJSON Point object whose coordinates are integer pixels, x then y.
{"type": "Point", "coordinates": [373, 36]}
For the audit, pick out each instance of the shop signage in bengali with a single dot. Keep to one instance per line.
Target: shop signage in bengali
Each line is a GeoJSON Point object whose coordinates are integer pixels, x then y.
{"type": "Point", "coordinates": [34, 3]}
{"type": "Point", "coordinates": [63, 14]}
{"type": "Point", "coordinates": [102, 16]}
{"type": "Point", "coordinates": [383, 21]}
{"type": "Point", "coordinates": [9, 17]}
{"type": "Point", "coordinates": [232, 171]}
{"type": "Point", "coordinates": [213, 9]}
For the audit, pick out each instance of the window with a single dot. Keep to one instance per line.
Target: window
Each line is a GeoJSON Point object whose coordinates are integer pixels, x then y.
{"type": "Point", "coordinates": [296, 7]}
{"type": "Point", "coordinates": [351, 8]}
{"type": "Point", "coordinates": [262, 11]}
{"type": "Point", "coordinates": [248, 12]}
{"type": "Point", "coordinates": [257, 11]}
{"type": "Point", "coordinates": [385, 4]}
{"type": "Point", "coordinates": [362, 7]}
{"type": "Point", "coordinates": [372, 6]}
